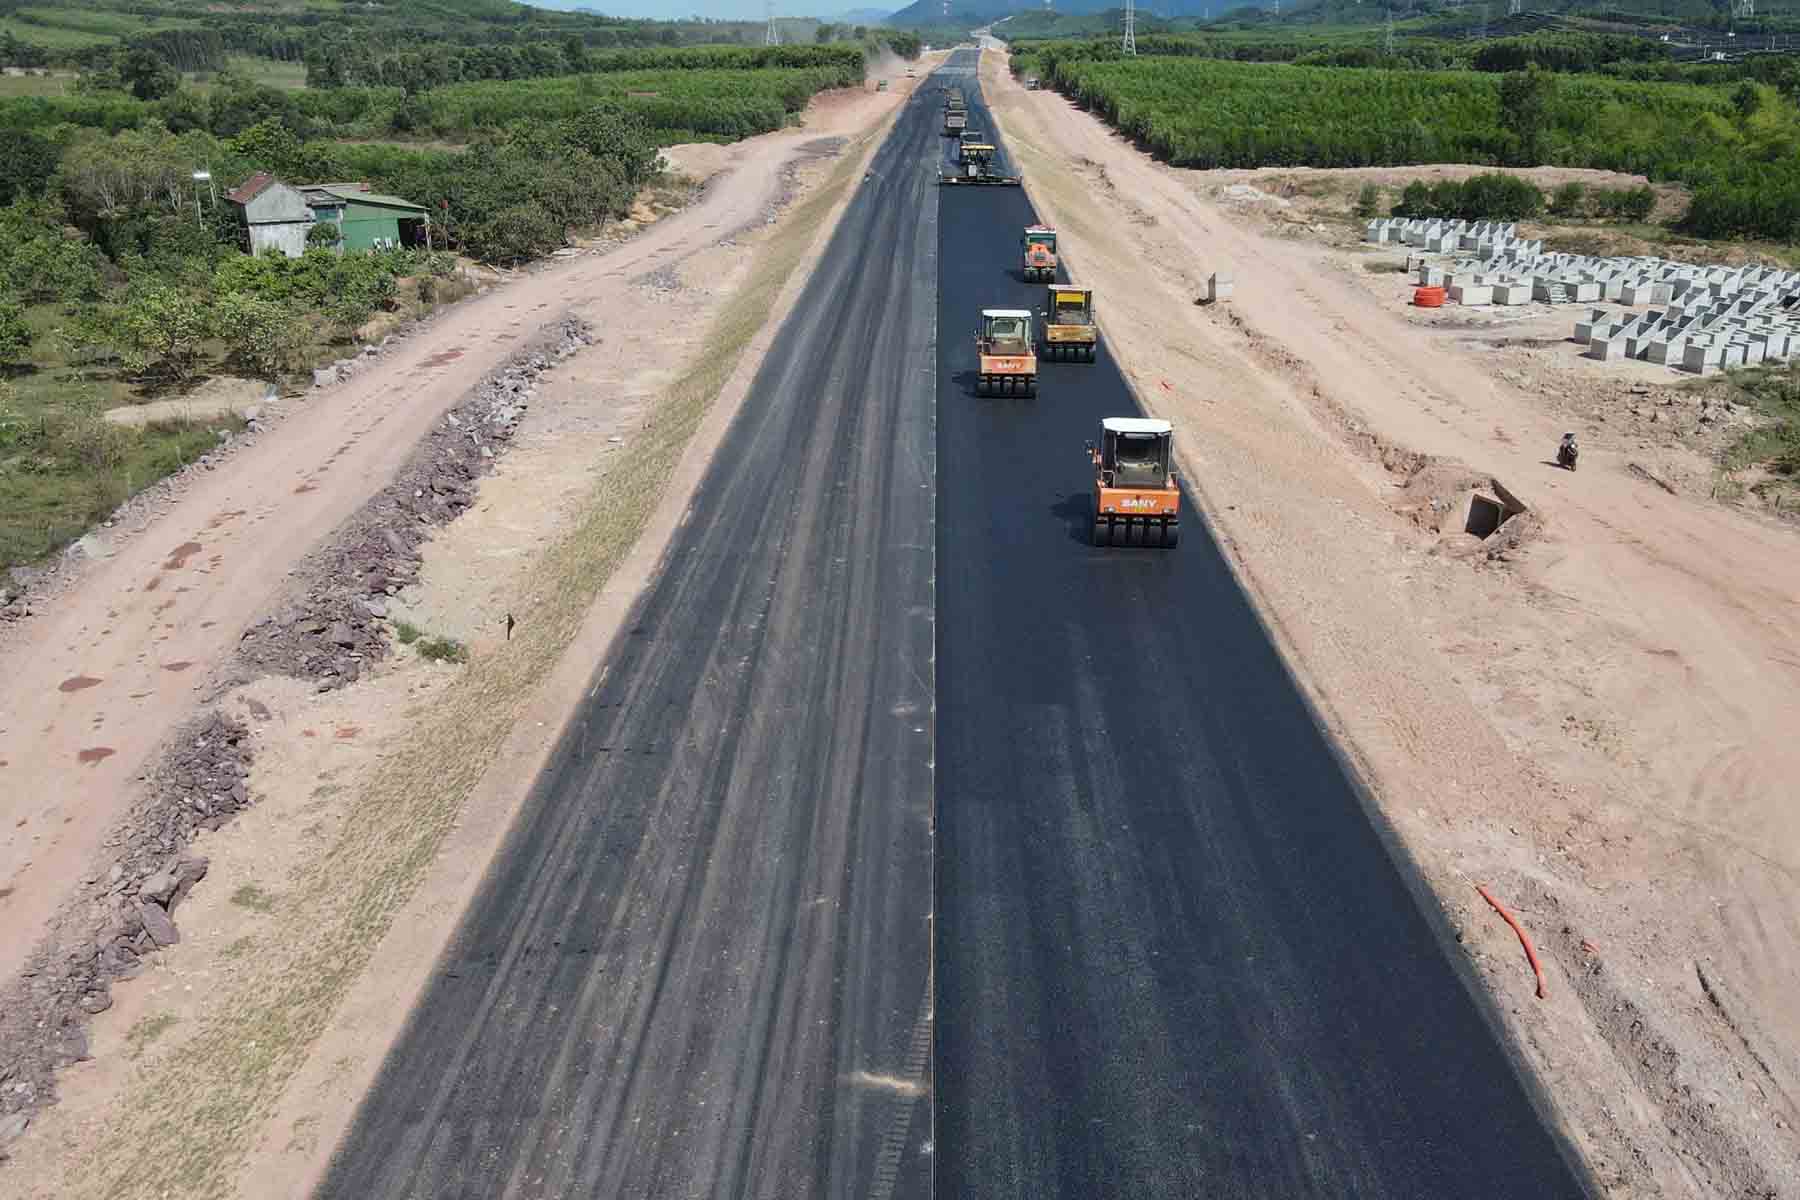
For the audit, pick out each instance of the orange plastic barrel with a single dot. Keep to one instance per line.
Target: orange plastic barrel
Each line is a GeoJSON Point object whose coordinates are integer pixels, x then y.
{"type": "Point", "coordinates": [1429, 297]}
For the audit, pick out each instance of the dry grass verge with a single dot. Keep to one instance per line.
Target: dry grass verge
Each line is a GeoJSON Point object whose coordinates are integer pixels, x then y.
{"type": "Point", "coordinates": [213, 1092]}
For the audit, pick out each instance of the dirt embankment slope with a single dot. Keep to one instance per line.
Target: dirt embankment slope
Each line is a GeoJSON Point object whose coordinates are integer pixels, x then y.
{"type": "Point", "coordinates": [263, 1013]}
{"type": "Point", "coordinates": [1592, 714]}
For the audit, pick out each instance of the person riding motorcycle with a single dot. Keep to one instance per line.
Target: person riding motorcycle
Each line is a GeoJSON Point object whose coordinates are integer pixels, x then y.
{"type": "Point", "coordinates": [1568, 452]}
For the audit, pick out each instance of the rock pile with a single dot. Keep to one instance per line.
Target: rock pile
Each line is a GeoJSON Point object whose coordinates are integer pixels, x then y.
{"type": "Point", "coordinates": [125, 913]}
{"type": "Point", "coordinates": [333, 630]}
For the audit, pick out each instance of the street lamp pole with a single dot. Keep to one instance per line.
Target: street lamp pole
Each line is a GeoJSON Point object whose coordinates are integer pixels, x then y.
{"type": "Point", "coordinates": [202, 177]}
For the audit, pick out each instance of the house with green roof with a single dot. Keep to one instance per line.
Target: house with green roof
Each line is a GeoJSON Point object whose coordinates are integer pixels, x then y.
{"type": "Point", "coordinates": [279, 216]}
{"type": "Point", "coordinates": [367, 220]}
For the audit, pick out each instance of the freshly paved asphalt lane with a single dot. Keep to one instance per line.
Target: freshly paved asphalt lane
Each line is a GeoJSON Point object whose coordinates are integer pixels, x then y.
{"type": "Point", "coordinates": [1174, 959]}
{"type": "Point", "coordinates": [1172, 956]}
{"type": "Point", "coordinates": [700, 965]}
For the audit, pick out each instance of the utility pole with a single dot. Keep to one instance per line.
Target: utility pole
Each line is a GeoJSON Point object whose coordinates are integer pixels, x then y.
{"type": "Point", "coordinates": [1129, 46]}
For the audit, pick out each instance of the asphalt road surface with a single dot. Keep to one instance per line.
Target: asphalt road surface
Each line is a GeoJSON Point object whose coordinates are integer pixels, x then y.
{"type": "Point", "coordinates": [700, 965]}
{"type": "Point", "coordinates": [1173, 957]}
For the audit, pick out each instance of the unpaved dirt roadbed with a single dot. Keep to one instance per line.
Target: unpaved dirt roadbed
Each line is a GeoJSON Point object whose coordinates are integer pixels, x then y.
{"type": "Point", "coordinates": [1596, 721]}
{"type": "Point", "coordinates": [719, 245]}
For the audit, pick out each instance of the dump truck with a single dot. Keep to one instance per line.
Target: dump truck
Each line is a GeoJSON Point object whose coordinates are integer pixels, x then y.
{"type": "Point", "coordinates": [975, 164]}
{"type": "Point", "coordinates": [956, 116]}
{"type": "Point", "coordinates": [1037, 254]}
{"type": "Point", "coordinates": [1137, 501]}
{"type": "Point", "coordinates": [1069, 331]}
{"type": "Point", "coordinates": [1007, 360]}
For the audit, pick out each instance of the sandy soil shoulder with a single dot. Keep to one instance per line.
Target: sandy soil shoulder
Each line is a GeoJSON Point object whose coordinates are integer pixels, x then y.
{"type": "Point", "coordinates": [267, 987]}
{"type": "Point", "coordinates": [1590, 712]}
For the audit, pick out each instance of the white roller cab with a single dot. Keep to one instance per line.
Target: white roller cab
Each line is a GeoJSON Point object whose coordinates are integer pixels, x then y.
{"type": "Point", "coordinates": [1137, 425]}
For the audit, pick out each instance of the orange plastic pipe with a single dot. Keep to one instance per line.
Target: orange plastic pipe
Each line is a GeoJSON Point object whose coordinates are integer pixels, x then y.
{"type": "Point", "coordinates": [1524, 938]}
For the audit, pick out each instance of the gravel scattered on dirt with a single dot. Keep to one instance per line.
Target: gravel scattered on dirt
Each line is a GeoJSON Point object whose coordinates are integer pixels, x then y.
{"type": "Point", "coordinates": [331, 631]}
{"type": "Point", "coordinates": [122, 912]}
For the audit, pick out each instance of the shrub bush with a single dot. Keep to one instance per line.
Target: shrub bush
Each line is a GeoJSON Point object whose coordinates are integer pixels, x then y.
{"type": "Point", "coordinates": [15, 334]}
{"type": "Point", "coordinates": [1490, 197]}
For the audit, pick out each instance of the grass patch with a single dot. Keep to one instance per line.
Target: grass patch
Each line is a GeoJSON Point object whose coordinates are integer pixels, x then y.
{"type": "Point", "coordinates": [252, 897]}
{"type": "Point", "coordinates": [12, 87]}
{"type": "Point", "coordinates": [1384, 266]}
{"type": "Point", "coordinates": [269, 72]}
{"type": "Point", "coordinates": [147, 1030]}
{"type": "Point", "coordinates": [238, 949]}
{"type": "Point", "coordinates": [53, 37]}
{"type": "Point", "coordinates": [433, 649]}
{"type": "Point", "coordinates": [209, 1098]}
{"type": "Point", "coordinates": [1774, 444]}
{"type": "Point", "coordinates": [63, 467]}
{"type": "Point", "coordinates": [443, 649]}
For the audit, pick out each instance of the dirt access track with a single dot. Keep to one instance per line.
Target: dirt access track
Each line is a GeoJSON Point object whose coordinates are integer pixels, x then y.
{"type": "Point", "coordinates": [133, 641]}
{"type": "Point", "coordinates": [98, 679]}
{"type": "Point", "coordinates": [1592, 712]}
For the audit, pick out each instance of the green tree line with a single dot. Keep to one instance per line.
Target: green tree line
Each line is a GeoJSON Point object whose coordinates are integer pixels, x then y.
{"type": "Point", "coordinates": [681, 102]}
{"type": "Point", "coordinates": [1738, 147]}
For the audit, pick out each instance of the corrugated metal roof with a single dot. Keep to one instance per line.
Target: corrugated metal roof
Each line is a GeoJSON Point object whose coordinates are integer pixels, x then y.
{"type": "Point", "coordinates": [375, 198]}
{"type": "Point", "coordinates": [250, 189]}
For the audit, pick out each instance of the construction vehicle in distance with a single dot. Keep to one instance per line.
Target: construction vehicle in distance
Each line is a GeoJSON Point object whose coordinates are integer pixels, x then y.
{"type": "Point", "coordinates": [1137, 501]}
{"type": "Point", "coordinates": [1037, 254]}
{"type": "Point", "coordinates": [1007, 360]}
{"type": "Point", "coordinates": [1068, 321]}
{"type": "Point", "coordinates": [956, 116]}
{"type": "Point", "coordinates": [975, 164]}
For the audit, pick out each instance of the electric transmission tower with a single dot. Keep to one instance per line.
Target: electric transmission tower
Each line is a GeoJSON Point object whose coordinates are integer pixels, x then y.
{"type": "Point", "coordinates": [1515, 8]}
{"type": "Point", "coordinates": [1387, 40]}
{"type": "Point", "coordinates": [1129, 45]}
{"type": "Point", "coordinates": [770, 37]}
{"type": "Point", "coordinates": [1743, 9]}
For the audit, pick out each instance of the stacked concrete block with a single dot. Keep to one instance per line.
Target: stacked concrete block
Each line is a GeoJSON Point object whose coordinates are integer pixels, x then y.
{"type": "Point", "coordinates": [1699, 358]}
{"type": "Point", "coordinates": [1700, 318]}
{"type": "Point", "coordinates": [1597, 318]}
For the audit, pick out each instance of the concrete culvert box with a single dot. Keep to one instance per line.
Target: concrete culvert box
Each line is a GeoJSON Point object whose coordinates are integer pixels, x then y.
{"type": "Point", "coordinates": [1485, 515]}
{"type": "Point", "coordinates": [1488, 513]}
